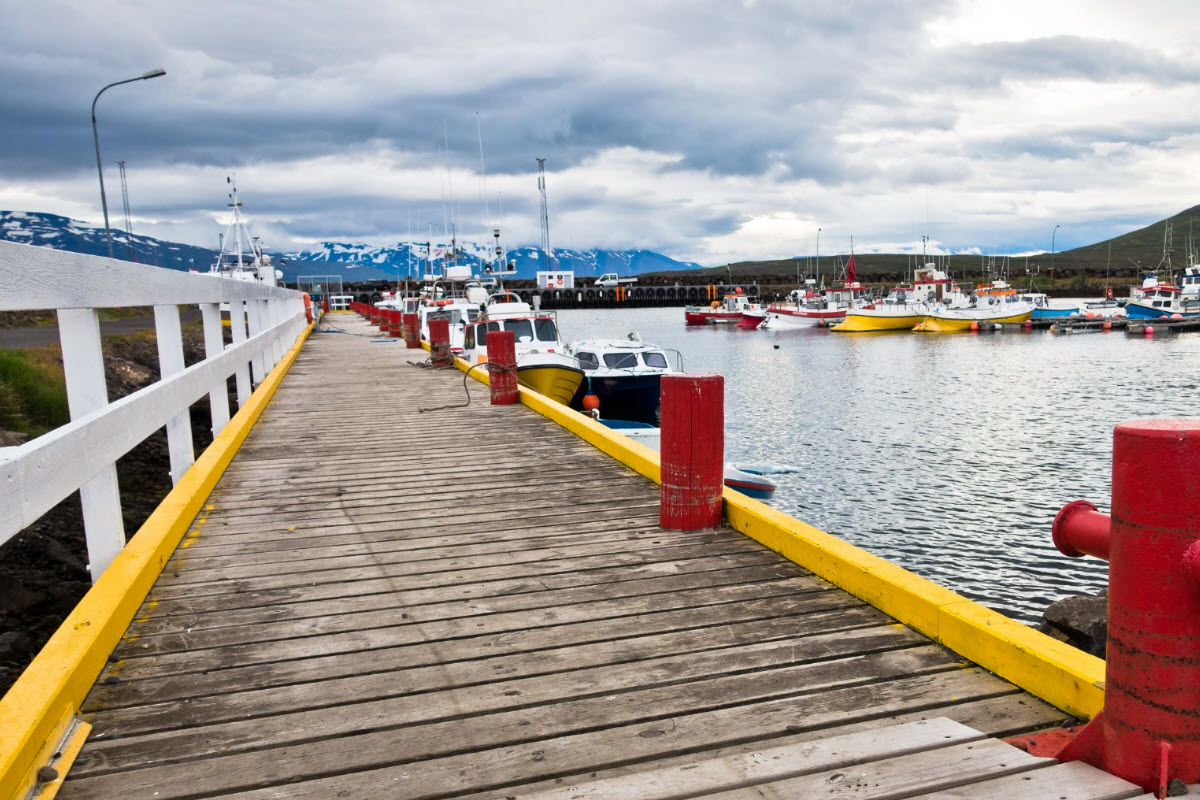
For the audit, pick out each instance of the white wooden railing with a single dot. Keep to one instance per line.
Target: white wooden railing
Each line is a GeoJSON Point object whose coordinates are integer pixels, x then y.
{"type": "Point", "coordinates": [82, 454]}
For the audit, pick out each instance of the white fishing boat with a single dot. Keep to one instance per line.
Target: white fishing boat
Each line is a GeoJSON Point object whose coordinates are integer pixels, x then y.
{"type": "Point", "coordinates": [823, 309]}
{"type": "Point", "coordinates": [241, 256]}
{"type": "Point", "coordinates": [995, 302]}
{"type": "Point", "coordinates": [542, 361]}
{"type": "Point", "coordinates": [907, 304]}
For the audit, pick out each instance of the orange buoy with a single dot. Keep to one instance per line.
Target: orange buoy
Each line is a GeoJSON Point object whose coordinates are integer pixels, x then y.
{"type": "Point", "coordinates": [1177, 315]}
{"type": "Point", "coordinates": [590, 401]}
{"type": "Point", "coordinates": [1107, 326]}
{"type": "Point", "coordinates": [1148, 330]}
{"type": "Point", "coordinates": [975, 326]}
{"type": "Point", "coordinates": [1028, 324]}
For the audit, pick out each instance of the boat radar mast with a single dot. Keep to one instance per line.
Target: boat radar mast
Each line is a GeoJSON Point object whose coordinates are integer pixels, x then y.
{"type": "Point", "coordinates": [549, 254]}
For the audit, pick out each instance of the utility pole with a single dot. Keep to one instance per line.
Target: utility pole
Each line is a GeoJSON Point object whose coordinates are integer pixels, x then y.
{"type": "Point", "coordinates": [128, 224]}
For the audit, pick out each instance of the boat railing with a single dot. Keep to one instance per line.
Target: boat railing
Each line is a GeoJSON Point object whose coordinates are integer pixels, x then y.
{"type": "Point", "coordinates": [82, 454]}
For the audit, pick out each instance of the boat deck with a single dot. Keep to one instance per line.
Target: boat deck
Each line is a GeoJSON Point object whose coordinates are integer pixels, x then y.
{"type": "Point", "coordinates": [383, 603]}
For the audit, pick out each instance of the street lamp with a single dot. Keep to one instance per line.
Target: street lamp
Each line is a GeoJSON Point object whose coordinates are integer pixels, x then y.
{"type": "Point", "coordinates": [154, 73]}
{"type": "Point", "coordinates": [1053, 233]}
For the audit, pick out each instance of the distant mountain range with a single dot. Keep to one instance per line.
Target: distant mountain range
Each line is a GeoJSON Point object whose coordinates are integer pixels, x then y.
{"type": "Point", "coordinates": [352, 262]}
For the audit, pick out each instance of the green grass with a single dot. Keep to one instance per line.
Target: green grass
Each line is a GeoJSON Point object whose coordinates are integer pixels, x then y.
{"type": "Point", "coordinates": [33, 394]}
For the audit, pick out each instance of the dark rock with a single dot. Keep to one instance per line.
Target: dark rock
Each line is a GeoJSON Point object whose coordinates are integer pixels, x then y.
{"type": "Point", "coordinates": [12, 438]}
{"type": "Point", "coordinates": [15, 597]}
{"type": "Point", "coordinates": [1079, 621]}
{"type": "Point", "coordinates": [14, 645]}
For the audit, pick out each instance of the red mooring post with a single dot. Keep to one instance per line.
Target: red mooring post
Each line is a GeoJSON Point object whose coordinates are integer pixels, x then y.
{"type": "Point", "coordinates": [382, 318]}
{"type": "Point", "coordinates": [439, 343]}
{"type": "Point", "coordinates": [502, 374]}
{"type": "Point", "coordinates": [1149, 730]}
{"type": "Point", "coordinates": [412, 337]}
{"type": "Point", "coordinates": [394, 323]}
{"type": "Point", "coordinates": [692, 451]}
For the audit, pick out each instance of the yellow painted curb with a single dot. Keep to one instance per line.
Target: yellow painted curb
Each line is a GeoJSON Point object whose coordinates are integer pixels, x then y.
{"type": "Point", "coordinates": [1061, 675]}
{"type": "Point", "coordinates": [35, 711]}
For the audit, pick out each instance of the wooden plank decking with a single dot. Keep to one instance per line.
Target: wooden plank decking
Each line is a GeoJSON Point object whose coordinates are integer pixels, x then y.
{"type": "Point", "coordinates": [380, 603]}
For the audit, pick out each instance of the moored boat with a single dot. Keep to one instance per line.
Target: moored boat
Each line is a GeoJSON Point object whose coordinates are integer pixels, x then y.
{"type": "Point", "coordinates": [1156, 300]}
{"type": "Point", "coordinates": [1043, 310]}
{"type": "Point", "coordinates": [995, 302]}
{"type": "Point", "coordinates": [720, 312]}
{"type": "Point", "coordinates": [821, 310]}
{"type": "Point", "coordinates": [623, 374]}
{"type": "Point", "coordinates": [542, 363]}
{"type": "Point", "coordinates": [906, 305]}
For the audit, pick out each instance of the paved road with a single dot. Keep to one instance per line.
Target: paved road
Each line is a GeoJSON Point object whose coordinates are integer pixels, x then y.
{"type": "Point", "coordinates": [42, 335]}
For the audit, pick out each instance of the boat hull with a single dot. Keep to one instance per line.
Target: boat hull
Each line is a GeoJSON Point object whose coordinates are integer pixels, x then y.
{"type": "Point", "coordinates": [865, 322]}
{"type": "Point", "coordinates": [711, 318]}
{"type": "Point", "coordinates": [783, 319]}
{"type": "Point", "coordinates": [1135, 310]}
{"type": "Point", "coordinates": [751, 320]}
{"type": "Point", "coordinates": [559, 383]}
{"type": "Point", "coordinates": [938, 323]}
{"type": "Point", "coordinates": [624, 397]}
{"type": "Point", "coordinates": [1055, 313]}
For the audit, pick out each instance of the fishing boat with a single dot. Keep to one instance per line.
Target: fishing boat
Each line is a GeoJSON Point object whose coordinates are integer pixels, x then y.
{"type": "Point", "coordinates": [542, 361]}
{"type": "Point", "coordinates": [753, 317]}
{"type": "Point", "coordinates": [906, 305]}
{"type": "Point", "coordinates": [1043, 310]}
{"type": "Point", "coordinates": [1157, 300]}
{"type": "Point", "coordinates": [623, 374]}
{"type": "Point", "coordinates": [721, 312]}
{"type": "Point", "coordinates": [823, 309]}
{"type": "Point", "coordinates": [748, 482]}
{"type": "Point", "coordinates": [241, 256]}
{"type": "Point", "coordinates": [995, 302]}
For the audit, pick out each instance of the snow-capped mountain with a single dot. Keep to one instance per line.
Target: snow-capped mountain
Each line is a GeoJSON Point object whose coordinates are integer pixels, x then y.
{"type": "Point", "coordinates": [353, 262]}
{"type": "Point", "coordinates": [405, 258]}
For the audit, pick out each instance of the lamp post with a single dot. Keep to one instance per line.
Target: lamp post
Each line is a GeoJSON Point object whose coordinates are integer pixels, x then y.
{"type": "Point", "coordinates": [818, 255]}
{"type": "Point", "coordinates": [154, 73]}
{"type": "Point", "coordinates": [1053, 233]}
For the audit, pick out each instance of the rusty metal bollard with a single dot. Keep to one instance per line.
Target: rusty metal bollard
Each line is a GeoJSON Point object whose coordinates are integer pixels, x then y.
{"type": "Point", "coordinates": [439, 343]}
{"type": "Point", "coordinates": [412, 336]}
{"type": "Point", "coordinates": [381, 318]}
{"type": "Point", "coordinates": [502, 372]}
{"type": "Point", "coordinates": [1149, 730]}
{"type": "Point", "coordinates": [393, 323]}
{"type": "Point", "coordinates": [692, 451]}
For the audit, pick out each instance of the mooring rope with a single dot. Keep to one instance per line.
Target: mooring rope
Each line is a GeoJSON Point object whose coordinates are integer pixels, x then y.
{"type": "Point", "coordinates": [493, 369]}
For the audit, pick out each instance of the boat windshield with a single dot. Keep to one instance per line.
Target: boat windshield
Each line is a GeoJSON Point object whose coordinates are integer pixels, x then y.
{"type": "Point", "coordinates": [620, 360]}
{"type": "Point", "coordinates": [587, 360]}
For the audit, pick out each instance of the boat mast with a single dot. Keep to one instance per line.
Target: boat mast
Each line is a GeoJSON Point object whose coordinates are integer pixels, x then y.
{"type": "Point", "coordinates": [549, 254]}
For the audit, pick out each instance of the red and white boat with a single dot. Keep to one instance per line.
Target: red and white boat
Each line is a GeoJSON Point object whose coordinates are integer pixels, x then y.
{"type": "Point", "coordinates": [808, 309]}
{"type": "Point", "coordinates": [727, 311]}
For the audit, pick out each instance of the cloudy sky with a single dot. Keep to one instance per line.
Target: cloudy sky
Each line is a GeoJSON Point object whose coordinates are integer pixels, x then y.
{"type": "Point", "coordinates": [710, 131]}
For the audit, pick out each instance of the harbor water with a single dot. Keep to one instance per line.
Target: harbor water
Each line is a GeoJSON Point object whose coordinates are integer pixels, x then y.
{"type": "Point", "coordinates": [948, 454]}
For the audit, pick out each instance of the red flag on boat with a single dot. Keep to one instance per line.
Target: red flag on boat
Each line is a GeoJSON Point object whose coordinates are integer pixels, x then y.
{"type": "Point", "coordinates": [850, 276]}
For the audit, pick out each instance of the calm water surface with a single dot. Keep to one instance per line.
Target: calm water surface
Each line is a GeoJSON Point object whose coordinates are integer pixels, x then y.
{"type": "Point", "coordinates": [948, 454]}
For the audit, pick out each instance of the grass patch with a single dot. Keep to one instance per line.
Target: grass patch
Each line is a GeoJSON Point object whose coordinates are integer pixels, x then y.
{"type": "Point", "coordinates": [33, 393]}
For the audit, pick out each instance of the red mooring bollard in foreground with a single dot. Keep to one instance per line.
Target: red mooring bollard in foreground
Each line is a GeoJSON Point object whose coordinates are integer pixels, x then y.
{"type": "Point", "coordinates": [502, 374]}
{"type": "Point", "coordinates": [412, 337]}
{"type": "Point", "coordinates": [1149, 730]}
{"type": "Point", "coordinates": [692, 451]}
{"type": "Point", "coordinates": [439, 343]}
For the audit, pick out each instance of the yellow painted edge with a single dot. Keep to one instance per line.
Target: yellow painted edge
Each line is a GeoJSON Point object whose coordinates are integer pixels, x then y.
{"type": "Point", "coordinates": [55, 684]}
{"type": "Point", "coordinates": [1061, 675]}
{"type": "Point", "coordinates": [66, 758]}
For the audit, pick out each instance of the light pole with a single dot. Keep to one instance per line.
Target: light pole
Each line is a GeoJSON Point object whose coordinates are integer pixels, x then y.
{"type": "Point", "coordinates": [1053, 233]}
{"type": "Point", "coordinates": [818, 255]}
{"type": "Point", "coordinates": [154, 73]}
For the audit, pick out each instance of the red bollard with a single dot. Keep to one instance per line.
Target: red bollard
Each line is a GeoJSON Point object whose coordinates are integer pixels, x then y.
{"type": "Point", "coordinates": [439, 343]}
{"type": "Point", "coordinates": [412, 337]}
{"type": "Point", "coordinates": [393, 323]}
{"type": "Point", "coordinates": [502, 374]}
{"type": "Point", "coordinates": [381, 319]}
{"type": "Point", "coordinates": [692, 451]}
{"type": "Point", "coordinates": [1149, 730]}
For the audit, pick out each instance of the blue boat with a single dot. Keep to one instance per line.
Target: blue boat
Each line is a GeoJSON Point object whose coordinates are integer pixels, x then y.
{"type": "Point", "coordinates": [1155, 300]}
{"type": "Point", "coordinates": [624, 375]}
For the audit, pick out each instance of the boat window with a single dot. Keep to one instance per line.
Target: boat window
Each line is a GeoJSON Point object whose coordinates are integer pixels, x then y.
{"type": "Point", "coordinates": [653, 358]}
{"type": "Point", "coordinates": [545, 329]}
{"type": "Point", "coordinates": [588, 360]}
{"type": "Point", "coordinates": [522, 330]}
{"type": "Point", "coordinates": [472, 314]}
{"type": "Point", "coordinates": [620, 360]}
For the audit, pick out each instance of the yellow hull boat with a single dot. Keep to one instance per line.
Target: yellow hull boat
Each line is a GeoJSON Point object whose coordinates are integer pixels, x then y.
{"type": "Point", "coordinates": [865, 321]}
{"type": "Point", "coordinates": [933, 323]}
{"type": "Point", "coordinates": [559, 383]}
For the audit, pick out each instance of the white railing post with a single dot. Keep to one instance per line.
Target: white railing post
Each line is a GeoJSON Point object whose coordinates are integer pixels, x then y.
{"type": "Point", "coordinates": [254, 316]}
{"type": "Point", "coordinates": [214, 345]}
{"type": "Point", "coordinates": [273, 319]}
{"type": "Point", "coordinates": [87, 390]}
{"type": "Point", "coordinates": [170, 361]}
{"type": "Point", "coordinates": [237, 324]}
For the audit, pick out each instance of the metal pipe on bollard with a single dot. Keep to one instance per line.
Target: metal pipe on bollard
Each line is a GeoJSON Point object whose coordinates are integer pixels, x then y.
{"type": "Point", "coordinates": [502, 369]}
{"type": "Point", "coordinates": [1149, 730]}
{"type": "Point", "coordinates": [412, 337]}
{"type": "Point", "coordinates": [439, 343]}
{"type": "Point", "coordinates": [692, 451]}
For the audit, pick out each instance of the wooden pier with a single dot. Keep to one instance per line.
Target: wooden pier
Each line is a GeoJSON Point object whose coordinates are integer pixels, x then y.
{"type": "Point", "coordinates": [475, 603]}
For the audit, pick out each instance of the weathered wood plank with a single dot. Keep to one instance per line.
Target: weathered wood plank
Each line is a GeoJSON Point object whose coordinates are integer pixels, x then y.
{"type": "Point", "coordinates": [1072, 781]}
